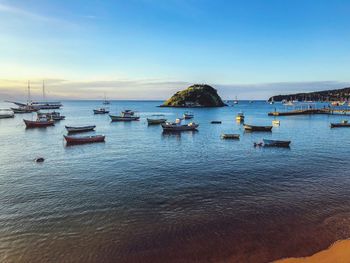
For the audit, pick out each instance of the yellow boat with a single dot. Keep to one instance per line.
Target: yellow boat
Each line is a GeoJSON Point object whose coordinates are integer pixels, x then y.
{"type": "Point", "coordinates": [240, 116]}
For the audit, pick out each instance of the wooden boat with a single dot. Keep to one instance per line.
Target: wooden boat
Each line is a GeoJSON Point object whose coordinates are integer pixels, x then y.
{"type": "Point", "coordinates": [248, 127]}
{"type": "Point", "coordinates": [188, 115]}
{"type": "Point", "coordinates": [41, 122]}
{"type": "Point", "coordinates": [155, 121]}
{"type": "Point", "coordinates": [101, 111]}
{"type": "Point", "coordinates": [84, 139]}
{"type": "Point", "coordinates": [215, 122]}
{"type": "Point", "coordinates": [276, 143]}
{"type": "Point", "coordinates": [230, 136]}
{"type": "Point", "coordinates": [128, 112]}
{"type": "Point", "coordinates": [56, 116]}
{"type": "Point", "coordinates": [240, 116]}
{"type": "Point", "coordinates": [127, 115]}
{"type": "Point", "coordinates": [178, 127]}
{"type": "Point", "coordinates": [344, 124]}
{"type": "Point", "coordinates": [6, 114]}
{"type": "Point", "coordinates": [25, 109]}
{"type": "Point", "coordinates": [77, 129]}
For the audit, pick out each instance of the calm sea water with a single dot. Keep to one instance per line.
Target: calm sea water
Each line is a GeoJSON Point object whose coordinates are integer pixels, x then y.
{"type": "Point", "coordinates": [145, 196]}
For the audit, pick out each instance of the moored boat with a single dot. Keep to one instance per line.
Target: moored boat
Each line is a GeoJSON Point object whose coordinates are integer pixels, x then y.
{"type": "Point", "coordinates": [188, 115]}
{"type": "Point", "coordinates": [6, 114]}
{"type": "Point", "coordinates": [230, 136]}
{"type": "Point", "coordinates": [76, 129]}
{"type": "Point", "coordinates": [276, 122]}
{"type": "Point", "coordinates": [101, 111]}
{"type": "Point", "coordinates": [215, 122]}
{"type": "Point", "coordinates": [276, 143]}
{"type": "Point", "coordinates": [84, 139]}
{"type": "Point", "coordinates": [55, 115]}
{"type": "Point", "coordinates": [23, 109]}
{"type": "Point", "coordinates": [40, 122]}
{"type": "Point", "coordinates": [126, 115]}
{"type": "Point", "coordinates": [177, 126]}
{"type": "Point", "coordinates": [344, 124]}
{"type": "Point", "coordinates": [155, 121]}
{"type": "Point", "coordinates": [248, 127]}
{"type": "Point", "coordinates": [240, 116]}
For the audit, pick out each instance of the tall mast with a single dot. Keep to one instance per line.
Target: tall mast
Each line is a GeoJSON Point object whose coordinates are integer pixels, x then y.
{"type": "Point", "coordinates": [29, 98]}
{"type": "Point", "coordinates": [44, 96]}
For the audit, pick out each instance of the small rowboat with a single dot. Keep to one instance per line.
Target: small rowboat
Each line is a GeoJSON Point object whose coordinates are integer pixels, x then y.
{"type": "Point", "coordinates": [340, 125]}
{"type": "Point", "coordinates": [276, 143]}
{"type": "Point", "coordinates": [124, 118]}
{"type": "Point", "coordinates": [215, 122]}
{"type": "Point", "coordinates": [84, 139]}
{"type": "Point", "coordinates": [77, 129]}
{"type": "Point", "coordinates": [230, 136]}
{"type": "Point", "coordinates": [257, 128]}
{"type": "Point", "coordinates": [155, 121]}
{"type": "Point", "coordinates": [39, 123]}
{"type": "Point", "coordinates": [101, 111]}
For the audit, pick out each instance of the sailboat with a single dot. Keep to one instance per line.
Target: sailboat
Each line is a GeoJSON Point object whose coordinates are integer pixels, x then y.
{"type": "Point", "coordinates": [46, 105]}
{"type": "Point", "coordinates": [235, 101]}
{"type": "Point", "coordinates": [106, 102]}
{"type": "Point", "coordinates": [24, 107]}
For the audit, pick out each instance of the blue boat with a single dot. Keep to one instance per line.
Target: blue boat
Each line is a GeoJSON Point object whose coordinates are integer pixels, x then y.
{"type": "Point", "coordinates": [276, 143]}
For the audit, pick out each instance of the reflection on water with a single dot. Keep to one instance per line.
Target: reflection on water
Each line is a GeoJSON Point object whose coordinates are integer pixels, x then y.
{"type": "Point", "coordinates": [149, 196]}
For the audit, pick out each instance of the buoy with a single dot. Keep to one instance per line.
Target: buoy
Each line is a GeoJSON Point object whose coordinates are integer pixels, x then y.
{"type": "Point", "coordinates": [40, 160]}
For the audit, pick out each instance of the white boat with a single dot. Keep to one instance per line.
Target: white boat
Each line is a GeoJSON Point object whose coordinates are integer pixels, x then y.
{"type": "Point", "coordinates": [288, 103]}
{"type": "Point", "coordinates": [235, 101]}
{"type": "Point", "coordinates": [126, 115]}
{"type": "Point", "coordinates": [76, 129]}
{"type": "Point", "coordinates": [155, 121]}
{"type": "Point", "coordinates": [55, 115]}
{"type": "Point", "coordinates": [177, 126]}
{"type": "Point", "coordinates": [6, 113]}
{"type": "Point", "coordinates": [101, 111]}
{"type": "Point", "coordinates": [188, 115]}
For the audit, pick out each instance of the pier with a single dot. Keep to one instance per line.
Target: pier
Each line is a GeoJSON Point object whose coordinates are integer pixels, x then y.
{"type": "Point", "coordinates": [328, 111]}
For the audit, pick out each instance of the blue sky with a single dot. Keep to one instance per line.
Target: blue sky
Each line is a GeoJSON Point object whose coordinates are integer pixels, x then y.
{"type": "Point", "coordinates": [151, 48]}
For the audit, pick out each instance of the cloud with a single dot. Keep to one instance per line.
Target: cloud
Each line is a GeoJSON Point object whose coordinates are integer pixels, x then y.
{"type": "Point", "coordinates": [24, 13]}
{"type": "Point", "coordinates": [152, 89]}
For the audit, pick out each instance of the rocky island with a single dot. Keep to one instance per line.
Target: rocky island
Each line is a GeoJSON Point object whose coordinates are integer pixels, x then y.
{"type": "Point", "coordinates": [324, 95]}
{"type": "Point", "coordinates": [197, 95]}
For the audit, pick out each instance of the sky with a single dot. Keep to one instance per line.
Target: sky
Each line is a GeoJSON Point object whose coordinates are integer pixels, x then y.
{"type": "Point", "coordinates": [148, 49]}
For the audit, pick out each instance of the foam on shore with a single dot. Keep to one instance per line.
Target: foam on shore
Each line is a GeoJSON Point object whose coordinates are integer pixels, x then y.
{"type": "Point", "coordinates": [339, 252]}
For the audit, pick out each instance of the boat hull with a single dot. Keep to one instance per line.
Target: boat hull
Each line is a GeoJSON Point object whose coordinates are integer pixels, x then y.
{"type": "Point", "coordinates": [125, 118]}
{"type": "Point", "coordinates": [84, 139]}
{"type": "Point", "coordinates": [230, 136]}
{"type": "Point", "coordinates": [155, 121]}
{"type": "Point", "coordinates": [38, 124]}
{"type": "Point", "coordinates": [71, 129]}
{"type": "Point", "coordinates": [179, 128]}
{"type": "Point", "coordinates": [276, 143]}
{"type": "Point", "coordinates": [257, 128]}
{"type": "Point", "coordinates": [340, 125]}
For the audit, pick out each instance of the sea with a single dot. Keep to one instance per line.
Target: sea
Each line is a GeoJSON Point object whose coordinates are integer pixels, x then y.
{"type": "Point", "coordinates": [148, 196]}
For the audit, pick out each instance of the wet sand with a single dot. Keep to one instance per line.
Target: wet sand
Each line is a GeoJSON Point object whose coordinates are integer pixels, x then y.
{"type": "Point", "coordinates": [339, 252]}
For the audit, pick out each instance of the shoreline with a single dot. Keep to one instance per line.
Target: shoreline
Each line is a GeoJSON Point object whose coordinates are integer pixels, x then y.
{"type": "Point", "coordinates": [338, 252]}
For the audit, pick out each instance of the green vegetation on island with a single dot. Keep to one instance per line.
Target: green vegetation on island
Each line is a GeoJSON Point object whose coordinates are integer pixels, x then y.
{"type": "Point", "coordinates": [325, 95]}
{"type": "Point", "coordinates": [197, 95]}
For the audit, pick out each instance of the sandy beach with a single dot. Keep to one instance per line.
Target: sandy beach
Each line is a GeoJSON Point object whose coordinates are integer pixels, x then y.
{"type": "Point", "coordinates": [339, 252]}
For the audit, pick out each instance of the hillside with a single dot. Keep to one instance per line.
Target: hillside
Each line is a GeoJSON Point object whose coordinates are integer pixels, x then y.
{"type": "Point", "coordinates": [325, 95]}
{"type": "Point", "coordinates": [198, 95]}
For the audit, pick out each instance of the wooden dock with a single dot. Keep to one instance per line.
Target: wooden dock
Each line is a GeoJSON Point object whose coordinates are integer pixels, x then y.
{"type": "Point", "coordinates": [328, 111]}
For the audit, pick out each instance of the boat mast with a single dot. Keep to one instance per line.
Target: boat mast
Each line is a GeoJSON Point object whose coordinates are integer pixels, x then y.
{"type": "Point", "coordinates": [44, 96]}
{"type": "Point", "coordinates": [29, 98]}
